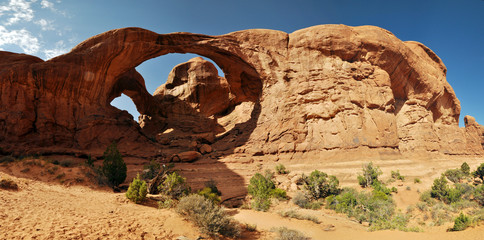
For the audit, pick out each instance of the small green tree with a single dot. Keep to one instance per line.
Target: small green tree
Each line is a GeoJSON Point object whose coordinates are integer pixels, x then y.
{"type": "Point", "coordinates": [479, 172]}
{"type": "Point", "coordinates": [465, 168]}
{"type": "Point", "coordinates": [137, 190]}
{"type": "Point", "coordinates": [439, 188]}
{"type": "Point", "coordinates": [370, 175]}
{"type": "Point", "coordinates": [260, 188]}
{"type": "Point", "coordinates": [114, 168]}
{"type": "Point", "coordinates": [320, 185]}
{"type": "Point", "coordinates": [461, 223]}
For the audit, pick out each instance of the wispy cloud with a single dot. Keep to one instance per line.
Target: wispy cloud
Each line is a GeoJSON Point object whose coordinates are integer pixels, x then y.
{"type": "Point", "coordinates": [60, 48]}
{"type": "Point", "coordinates": [20, 27]}
{"type": "Point", "coordinates": [45, 25]}
{"type": "Point", "coordinates": [17, 10]}
{"type": "Point", "coordinates": [22, 38]}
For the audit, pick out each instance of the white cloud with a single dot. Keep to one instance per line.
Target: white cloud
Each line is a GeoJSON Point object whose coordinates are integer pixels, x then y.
{"type": "Point", "coordinates": [17, 10]}
{"type": "Point", "coordinates": [45, 24]}
{"type": "Point", "coordinates": [59, 49]}
{"type": "Point", "coordinates": [46, 4]}
{"type": "Point", "coordinates": [22, 38]}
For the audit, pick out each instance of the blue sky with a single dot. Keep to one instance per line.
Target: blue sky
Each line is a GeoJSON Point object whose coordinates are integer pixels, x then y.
{"type": "Point", "coordinates": [452, 29]}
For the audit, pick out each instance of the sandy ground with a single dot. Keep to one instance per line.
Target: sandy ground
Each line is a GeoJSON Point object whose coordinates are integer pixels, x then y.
{"type": "Point", "coordinates": [71, 207]}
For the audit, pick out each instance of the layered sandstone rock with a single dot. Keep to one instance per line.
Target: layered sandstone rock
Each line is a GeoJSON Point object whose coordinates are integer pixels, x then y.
{"type": "Point", "coordinates": [329, 88]}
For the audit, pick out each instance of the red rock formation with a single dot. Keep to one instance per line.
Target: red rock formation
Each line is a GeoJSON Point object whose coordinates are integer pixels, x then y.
{"type": "Point", "coordinates": [321, 89]}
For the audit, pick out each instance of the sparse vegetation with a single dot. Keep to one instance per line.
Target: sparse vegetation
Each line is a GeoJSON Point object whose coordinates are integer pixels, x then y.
{"type": "Point", "coordinates": [370, 175]}
{"type": "Point", "coordinates": [208, 194]}
{"type": "Point", "coordinates": [320, 185]}
{"type": "Point", "coordinates": [89, 161]}
{"type": "Point", "coordinates": [454, 175]}
{"type": "Point", "coordinates": [479, 173]}
{"type": "Point", "coordinates": [211, 219]}
{"type": "Point", "coordinates": [289, 234]}
{"type": "Point", "coordinates": [396, 175]}
{"type": "Point", "coordinates": [295, 214]}
{"type": "Point", "coordinates": [137, 190]}
{"type": "Point", "coordinates": [114, 168]}
{"type": "Point", "coordinates": [7, 159]}
{"type": "Point", "coordinates": [281, 169]}
{"type": "Point", "coordinates": [417, 180]}
{"type": "Point", "coordinates": [174, 186]}
{"type": "Point", "coordinates": [261, 188]}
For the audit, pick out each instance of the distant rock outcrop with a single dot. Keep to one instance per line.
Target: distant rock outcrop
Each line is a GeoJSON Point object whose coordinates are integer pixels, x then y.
{"type": "Point", "coordinates": [314, 93]}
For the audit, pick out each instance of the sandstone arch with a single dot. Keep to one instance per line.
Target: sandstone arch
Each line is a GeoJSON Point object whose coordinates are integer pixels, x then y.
{"type": "Point", "coordinates": [323, 88]}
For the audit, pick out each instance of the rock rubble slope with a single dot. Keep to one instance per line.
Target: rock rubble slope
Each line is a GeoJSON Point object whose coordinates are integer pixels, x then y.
{"type": "Point", "coordinates": [315, 92]}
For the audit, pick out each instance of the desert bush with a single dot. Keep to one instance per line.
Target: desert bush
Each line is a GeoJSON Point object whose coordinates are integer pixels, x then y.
{"type": "Point", "coordinates": [166, 203]}
{"type": "Point", "coordinates": [251, 227]}
{"type": "Point", "coordinates": [465, 169]}
{"type": "Point", "coordinates": [137, 190]}
{"type": "Point", "coordinates": [151, 169]}
{"type": "Point", "coordinates": [281, 169]}
{"type": "Point", "coordinates": [295, 214]}
{"type": "Point", "coordinates": [417, 180]}
{"type": "Point", "coordinates": [260, 188]}
{"type": "Point", "coordinates": [479, 194]}
{"type": "Point", "coordinates": [211, 219]}
{"type": "Point", "coordinates": [279, 194]}
{"type": "Point", "coordinates": [380, 187]}
{"type": "Point", "coordinates": [439, 188]}
{"type": "Point", "coordinates": [426, 197]}
{"type": "Point", "coordinates": [320, 185]}
{"type": "Point", "coordinates": [454, 175]}
{"type": "Point", "coordinates": [174, 186]}
{"type": "Point", "coordinates": [479, 172]}
{"type": "Point", "coordinates": [301, 200]}
{"type": "Point", "coordinates": [397, 175]}
{"type": "Point", "coordinates": [461, 223]}
{"type": "Point", "coordinates": [208, 194]}
{"type": "Point", "coordinates": [290, 234]}
{"type": "Point", "coordinates": [114, 168]}
{"type": "Point", "coordinates": [368, 207]}
{"type": "Point", "coordinates": [213, 186]}
{"type": "Point", "coordinates": [66, 163]}
{"type": "Point", "coordinates": [370, 175]}
{"type": "Point", "coordinates": [8, 184]}
{"type": "Point", "coordinates": [465, 190]}
{"type": "Point", "coordinates": [399, 222]}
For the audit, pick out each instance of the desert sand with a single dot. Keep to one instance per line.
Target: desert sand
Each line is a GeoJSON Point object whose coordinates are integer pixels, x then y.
{"type": "Point", "coordinates": [49, 208]}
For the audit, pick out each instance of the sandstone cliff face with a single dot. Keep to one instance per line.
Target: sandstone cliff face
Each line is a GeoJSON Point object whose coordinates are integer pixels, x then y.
{"type": "Point", "coordinates": [324, 89]}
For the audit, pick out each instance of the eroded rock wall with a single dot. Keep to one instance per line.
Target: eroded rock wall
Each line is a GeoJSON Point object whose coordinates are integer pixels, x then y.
{"type": "Point", "coordinates": [323, 88]}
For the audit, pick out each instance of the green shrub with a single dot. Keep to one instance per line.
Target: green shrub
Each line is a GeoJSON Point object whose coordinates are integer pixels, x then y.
{"type": "Point", "coordinates": [479, 194]}
{"type": "Point", "coordinates": [439, 188]}
{"type": "Point", "coordinates": [281, 169]}
{"type": "Point", "coordinates": [454, 175]}
{"type": "Point", "coordinates": [461, 222]}
{"type": "Point", "coordinates": [166, 203]}
{"type": "Point", "coordinates": [278, 193]}
{"type": "Point", "coordinates": [344, 202]}
{"type": "Point", "coordinates": [417, 180]}
{"type": "Point", "coordinates": [370, 175]}
{"type": "Point", "coordinates": [290, 234]}
{"type": "Point", "coordinates": [378, 186]}
{"type": "Point", "coordinates": [479, 172]}
{"type": "Point", "coordinates": [426, 197]}
{"type": "Point", "coordinates": [260, 188]}
{"type": "Point", "coordinates": [114, 168]}
{"type": "Point", "coordinates": [397, 175]}
{"type": "Point", "coordinates": [137, 190]}
{"type": "Point", "coordinates": [465, 190]}
{"type": "Point", "coordinates": [151, 169]}
{"type": "Point", "coordinates": [208, 216]}
{"type": "Point", "coordinates": [89, 161]}
{"type": "Point", "coordinates": [301, 200]}
{"type": "Point", "coordinates": [174, 186]}
{"type": "Point", "coordinates": [319, 185]}
{"type": "Point", "coordinates": [213, 186]}
{"type": "Point", "coordinates": [208, 194]}
{"type": "Point", "coordinates": [465, 168]}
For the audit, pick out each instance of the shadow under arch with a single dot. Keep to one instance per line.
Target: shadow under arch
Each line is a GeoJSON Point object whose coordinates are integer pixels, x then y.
{"type": "Point", "coordinates": [130, 47]}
